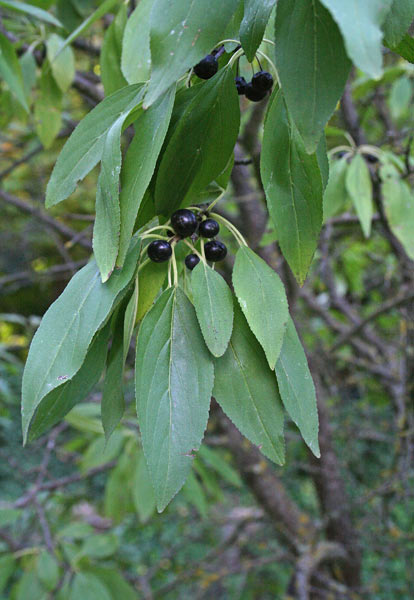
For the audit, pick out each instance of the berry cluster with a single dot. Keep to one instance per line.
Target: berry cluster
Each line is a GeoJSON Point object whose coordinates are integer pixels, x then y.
{"type": "Point", "coordinates": [185, 224]}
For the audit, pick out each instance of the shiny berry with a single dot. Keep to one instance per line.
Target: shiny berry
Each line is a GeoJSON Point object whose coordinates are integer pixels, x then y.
{"type": "Point", "coordinates": [215, 251]}
{"type": "Point", "coordinates": [240, 85]}
{"type": "Point", "coordinates": [191, 261]}
{"type": "Point", "coordinates": [209, 228]}
{"type": "Point", "coordinates": [207, 67]}
{"type": "Point", "coordinates": [159, 251]}
{"type": "Point", "coordinates": [253, 94]}
{"type": "Point", "coordinates": [184, 222]}
{"type": "Point", "coordinates": [262, 81]}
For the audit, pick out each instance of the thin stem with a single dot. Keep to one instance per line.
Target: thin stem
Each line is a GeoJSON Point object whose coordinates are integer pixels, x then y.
{"type": "Point", "coordinates": [269, 41]}
{"type": "Point", "coordinates": [174, 266]}
{"type": "Point", "coordinates": [210, 206]}
{"type": "Point", "coordinates": [235, 57]}
{"type": "Point", "coordinates": [272, 64]}
{"type": "Point", "coordinates": [192, 248]}
{"type": "Point", "coordinates": [240, 239]}
{"type": "Point", "coordinates": [166, 226]}
{"type": "Point", "coordinates": [142, 265]}
{"type": "Point", "coordinates": [154, 237]}
{"type": "Point", "coordinates": [169, 274]}
{"type": "Point", "coordinates": [203, 254]}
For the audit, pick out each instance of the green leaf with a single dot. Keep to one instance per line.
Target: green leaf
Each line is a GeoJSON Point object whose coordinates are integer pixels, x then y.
{"type": "Point", "coordinates": [262, 298]}
{"type": "Point", "coordinates": [113, 404]}
{"type": "Point", "coordinates": [293, 184]}
{"type": "Point", "coordinates": [113, 581]}
{"type": "Point", "coordinates": [214, 460]}
{"type": "Point", "coordinates": [182, 33]}
{"type": "Point", "coordinates": [48, 570]}
{"type": "Point", "coordinates": [102, 9]}
{"type": "Point", "coordinates": [323, 162]}
{"type": "Point", "coordinates": [85, 147]}
{"type": "Point", "coordinates": [312, 64]}
{"type": "Point", "coordinates": [48, 107]}
{"type": "Point", "coordinates": [253, 25]}
{"type": "Point", "coordinates": [11, 71]}
{"type": "Point", "coordinates": [141, 158]}
{"type": "Point", "coordinates": [130, 318]}
{"type": "Point", "coordinates": [201, 145]}
{"type": "Point", "coordinates": [398, 21]}
{"type": "Point", "coordinates": [136, 54]}
{"type": "Point", "coordinates": [399, 208]}
{"type": "Point", "coordinates": [173, 391]}
{"type": "Point", "coordinates": [33, 11]}
{"type": "Point", "coordinates": [88, 587]}
{"type": "Point", "coordinates": [296, 387]}
{"type": "Point", "coordinates": [29, 72]}
{"type": "Point", "coordinates": [359, 188]}
{"type": "Point", "coordinates": [336, 194]}
{"type": "Point", "coordinates": [62, 61]}
{"type": "Point", "coordinates": [100, 452]}
{"type": "Point", "coordinates": [70, 324]}
{"type": "Point", "coordinates": [117, 505]}
{"type": "Point", "coordinates": [151, 278]}
{"type": "Point", "coordinates": [100, 546]}
{"type": "Point", "coordinates": [111, 74]}
{"type": "Point", "coordinates": [142, 491]}
{"type": "Point", "coordinates": [7, 568]}
{"type": "Point", "coordinates": [195, 495]}
{"type": "Point", "coordinates": [400, 98]}
{"type": "Point", "coordinates": [60, 401]}
{"type": "Point", "coordinates": [213, 303]}
{"type": "Point", "coordinates": [246, 390]}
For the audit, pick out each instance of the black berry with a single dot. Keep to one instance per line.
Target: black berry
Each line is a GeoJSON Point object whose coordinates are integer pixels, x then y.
{"type": "Point", "coordinates": [184, 222]}
{"type": "Point", "coordinates": [262, 81]}
{"type": "Point", "coordinates": [209, 228]}
{"type": "Point", "coordinates": [215, 251]}
{"type": "Point", "coordinates": [240, 85]}
{"type": "Point", "coordinates": [191, 261]}
{"type": "Point", "coordinates": [159, 251]}
{"type": "Point", "coordinates": [207, 67]}
{"type": "Point", "coordinates": [253, 94]}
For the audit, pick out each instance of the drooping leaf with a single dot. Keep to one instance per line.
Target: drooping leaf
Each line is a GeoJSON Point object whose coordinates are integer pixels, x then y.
{"type": "Point", "coordinates": [293, 186]}
{"type": "Point", "coordinates": [142, 492]}
{"type": "Point", "coordinates": [113, 404]}
{"type": "Point", "coordinates": [33, 11]}
{"type": "Point", "coordinates": [48, 570]}
{"type": "Point", "coordinates": [111, 74]}
{"type": "Point", "coordinates": [312, 65]}
{"type": "Point", "coordinates": [151, 277]}
{"type": "Point", "coordinates": [359, 188]}
{"type": "Point", "coordinates": [70, 323]}
{"type": "Point", "coordinates": [173, 391]}
{"type": "Point", "coordinates": [253, 25]}
{"type": "Point", "coordinates": [262, 298]}
{"type": "Point", "coordinates": [48, 108]}
{"type": "Point", "coordinates": [150, 130]}
{"type": "Point", "coordinates": [399, 208]}
{"type": "Point", "coordinates": [182, 33]}
{"type": "Point", "coordinates": [195, 495]}
{"type": "Point", "coordinates": [213, 303]}
{"type": "Point", "coordinates": [296, 387]}
{"type": "Point", "coordinates": [84, 148]}
{"type": "Point", "coordinates": [136, 54]}
{"type": "Point", "coordinates": [360, 24]}
{"type": "Point", "coordinates": [336, 195]}
{"type": "Point", "coordinates": [29, 75]}
{"type": "Point", "coordinates": [398, 21]}
{"type": "Point", "coordinates": [246, 390]}
{"type": "Point", "coordinates": [62, 61]}
{"type": "Point", "coordinates": [11, 72]}
{"type": "Point", "coordinates": [201, 145]}
{"type": "Point", "coordinates": [88, 587]}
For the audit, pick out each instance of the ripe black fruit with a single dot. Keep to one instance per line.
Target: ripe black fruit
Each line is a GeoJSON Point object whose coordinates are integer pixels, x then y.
{"type": "Point", "coordinates": [262, 81]}
{"type": "Point", "coordinates": [159, 251]}
{"type": "Point", "coordinates": [215, 251]}
{"type": "Point", "coordinates": [184, 222]}
{"type": "Point", "coordinates": [191, 261]}
{"type": "Point", "coordinates": [253, 94]}
{"type": "Point", "coordinates": [208, 228]}
{"type": "Point", "coordinates": [207, 67]}
{"type": "Point", "coordinates": [240, 85]}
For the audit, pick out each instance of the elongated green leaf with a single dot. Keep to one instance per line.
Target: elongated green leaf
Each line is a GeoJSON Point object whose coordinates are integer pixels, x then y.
{"type": "Point", "coordinates": [293, 186]}
{"type": "Point", "coordinates": [182, 33]}
{"type": "Point", "coordinates": [174, 379]}
{"type": "Point", "coordinates": [62, 62]}
{"type": "Point", "coordinates": [405, 48]}
{"type": "Point", "coordinates": [262, 298]}
{"type": "Point", "coordinates": [48, 570]}
{"type": "Point", "coordinates": [114, 582]}
{"type": "Point", "coordinates": [142, 492]}
{"type": "Point", "coordinates": [360, 24]}
{"type": "Point", "coordinates": [256, 16]}
{"type": "Point", "coordinates": [48, 107]}
{"type": "Point", "coordinates": [296, 387]}
{"type": "Point", "coordinates": [88, 587]}
{"type": "Point", "coordinates": [399, 208]}
{"type": "Point", "coordinates": [56, 405]}
{"type": "Point", "coordinates": [359, 188]}
{"type": "Point", "coordinates": [33, 11]}
{"type": "Point", "coordinates": [102, 9]}
{"type": "Point", "coordinates": [398, 21]}
{"type": "Point", "coordinates": [336, 194]}
{"type": "Point", "coordinates": [84, 148]}
{"type": "Point", "coordinates": [130, 318]}
{"type": "Point", "coordinates": [111, 74]}
{"type": "Point", "coordinates": [60, 344]}
{"type": "Point", "coordinates": [201, 145]}
{"type": "Point", "coordinates": [214, 460]}
{"type": "Point", "coordinates": [113, 404]}
{"type": "Point", "coordinates": [195, 495]}
{"type": "Point", "coordinates": [312, 64]}
{"type": "Point", "coordinates": [214, 307]}
{"type": "Point", "coordinates": [11, 71]}
{"type": "Point", "coordinates": [400, 98]}
{"type": "Point", "coordinates": [246, 390]}
{"type": "Point", "coordinates": [141, 158]}
{"type": "Point", "coordinates": [136, 54]}
{"type": "Point", "coordinates": [151, 277]}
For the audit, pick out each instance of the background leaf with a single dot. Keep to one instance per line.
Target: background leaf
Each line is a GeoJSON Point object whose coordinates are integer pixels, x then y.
{"type": "Point", "coordinates": [136, 54]}
{"type": "Point", "coordinates": [359, 188]}
{"type": "Point", "coordinates": [253, 25]}
{"type": "Point", "coordinates": [48, 107]}
{"type": "Point", "coordinates": [11, 72]}
{"type": "Point", "coordinates": [398, 21]}
{"type": "Point", "coordinates": [62, 61]}
{"type": "Point", "coordinates": [336, 195]}
{"type": "Point", "coordinates": [33, 11]}
{"type": "Point", "coordinates": [399, 208]}
{"type": "Point", "coordinates": [111, 74]}
{"type": "Point", "coordinates": [112, 403]}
